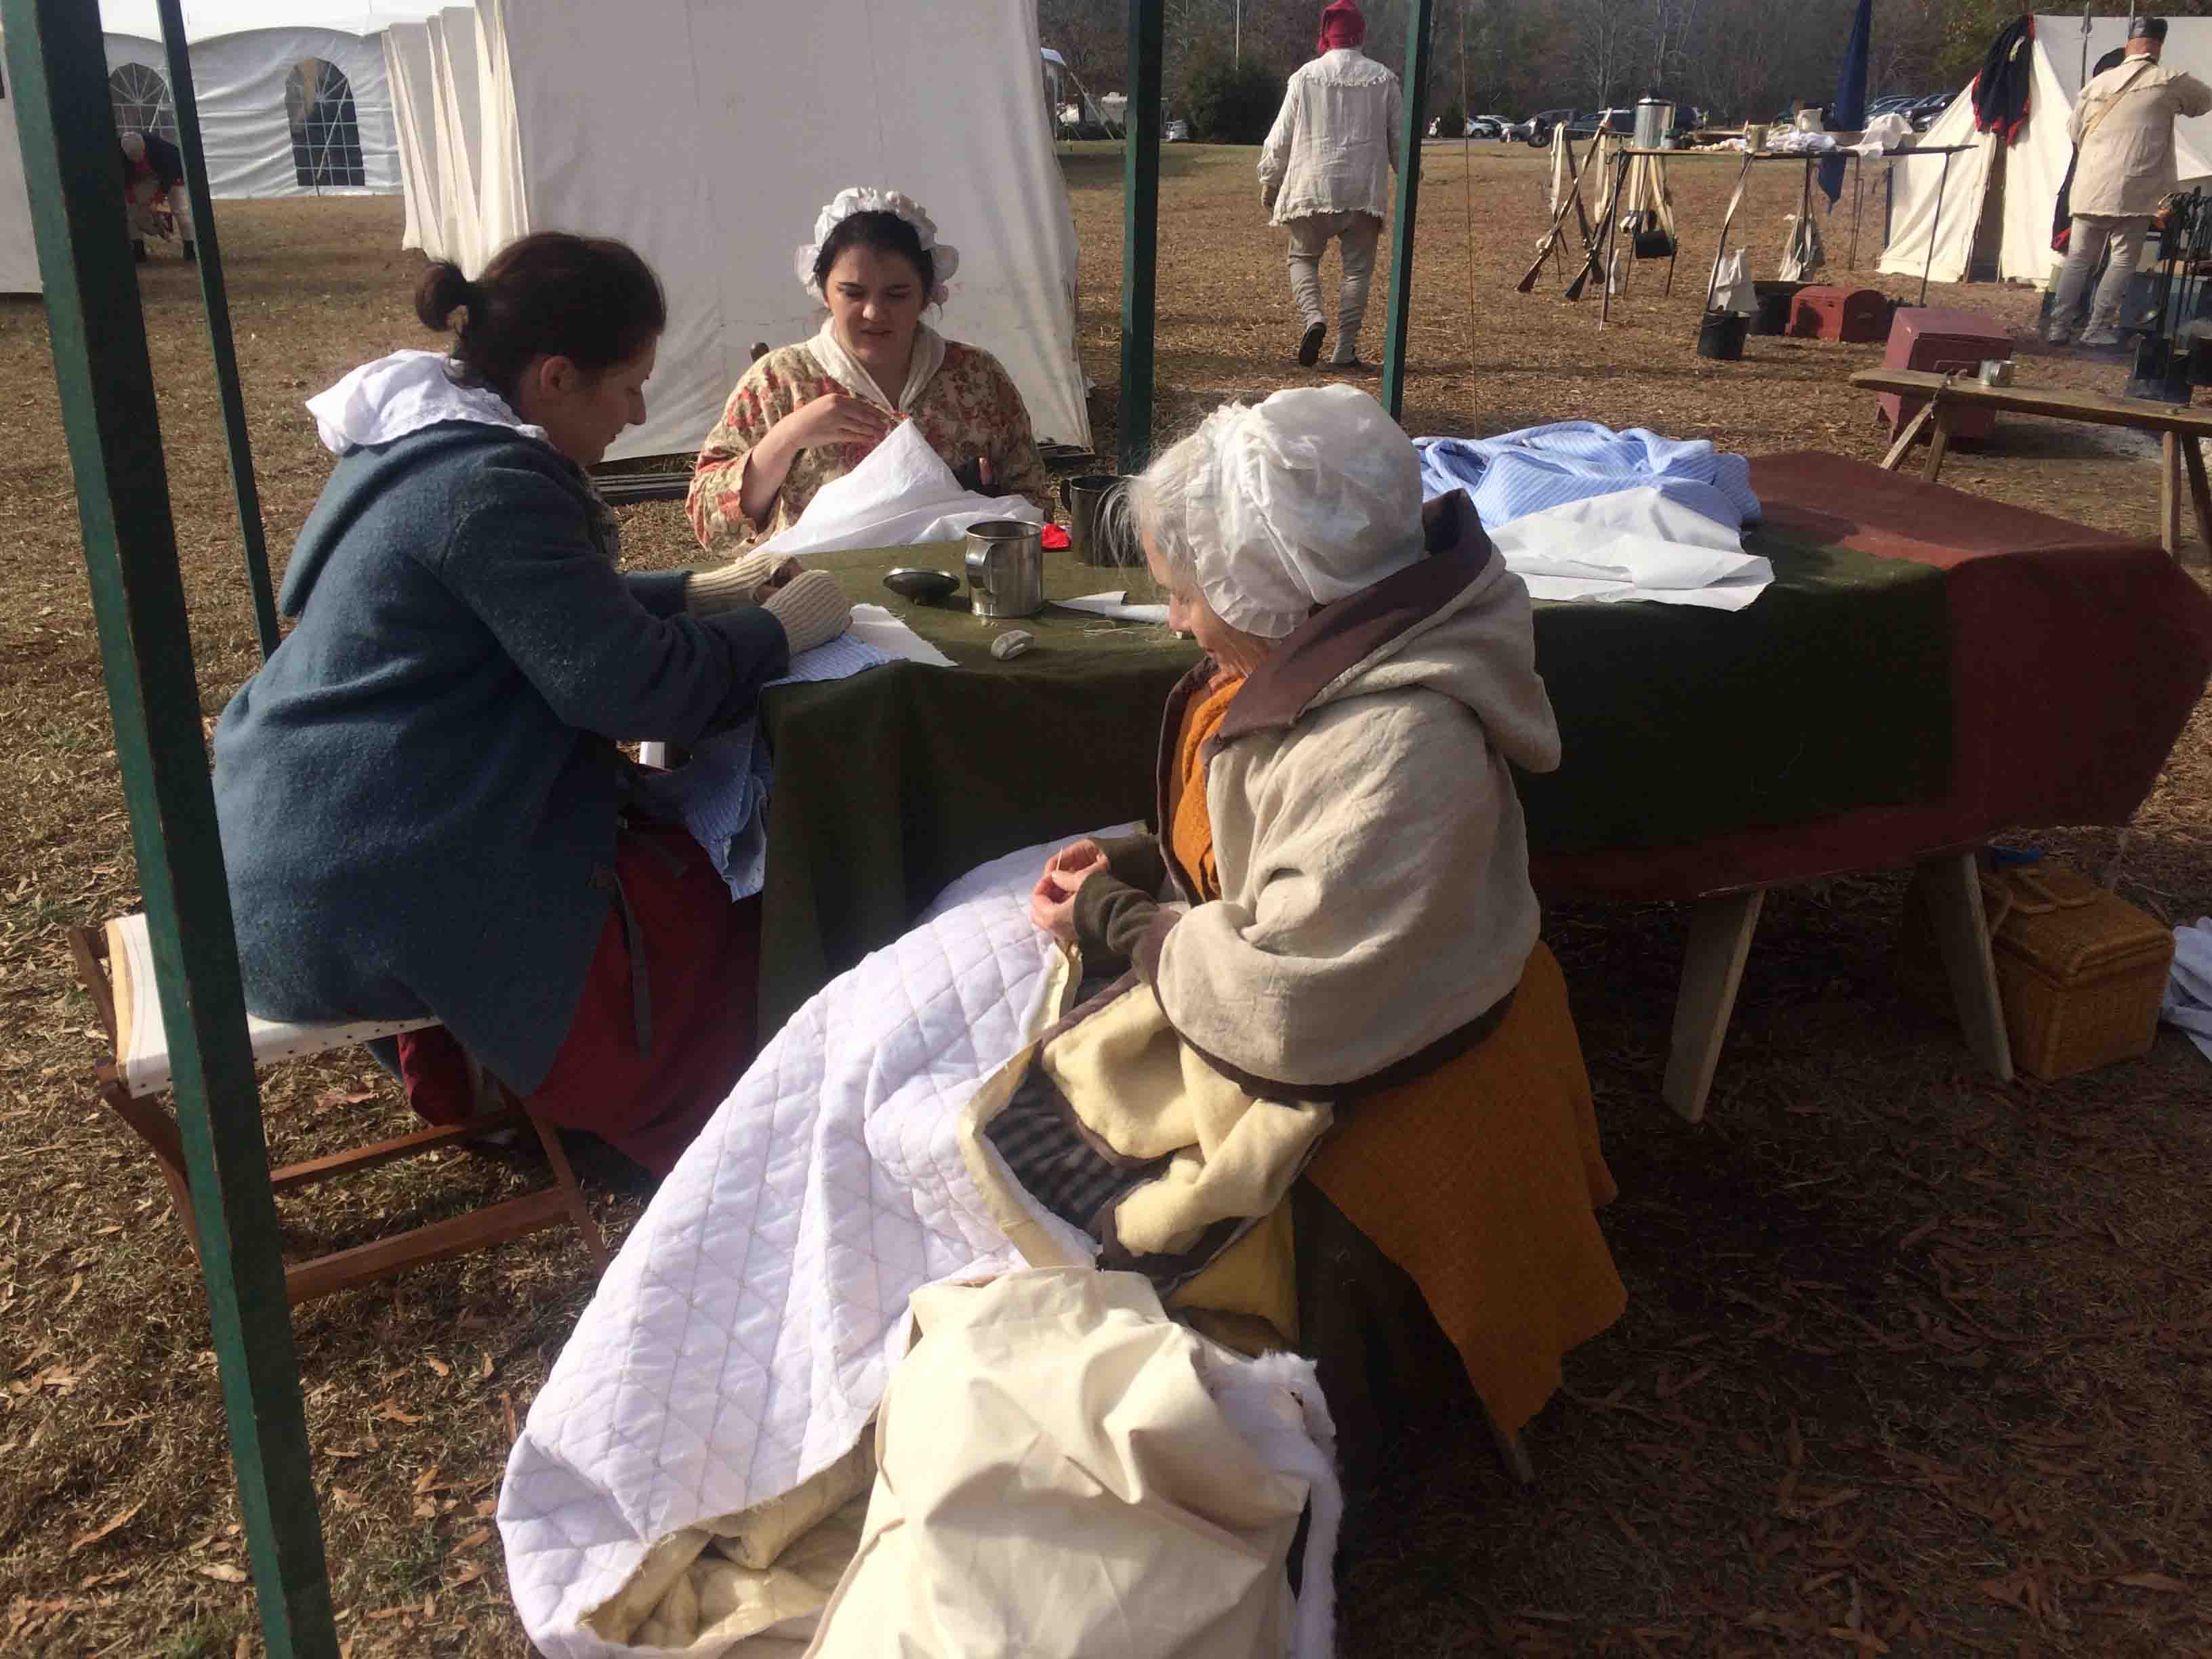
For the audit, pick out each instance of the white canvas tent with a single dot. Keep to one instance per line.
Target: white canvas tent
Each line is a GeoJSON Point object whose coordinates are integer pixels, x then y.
{"type": "Point", "coordinates": [455, 81]}
{"type": "Point", "coordinates": [414, 97]}
{"type": "Point", "coordinates": [293, 95]}
{"type": "Point", "coordinates": [19, 254]}
{"type": "Point", "coordinates": [714, 134]}
{"type": "Point", "coordinates": [2002, 196]}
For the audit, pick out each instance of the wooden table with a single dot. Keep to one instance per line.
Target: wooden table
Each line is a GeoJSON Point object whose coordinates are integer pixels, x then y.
{"type": "Point", "coordinates": [2182, 430]}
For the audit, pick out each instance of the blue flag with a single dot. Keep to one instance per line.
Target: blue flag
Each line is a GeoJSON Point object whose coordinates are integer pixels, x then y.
{"type": "Point", "coordinates": [1848, 112]}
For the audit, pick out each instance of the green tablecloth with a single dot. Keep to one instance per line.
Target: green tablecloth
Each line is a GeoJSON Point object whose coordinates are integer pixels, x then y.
{"type": "Point", "coordinates": [1830, 692]}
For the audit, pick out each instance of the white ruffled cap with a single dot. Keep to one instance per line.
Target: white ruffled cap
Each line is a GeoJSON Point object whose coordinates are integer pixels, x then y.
{"type": "Point", "coordinates": [944, 257]}
{"type": "Point", "coordinates": [1302, 499]}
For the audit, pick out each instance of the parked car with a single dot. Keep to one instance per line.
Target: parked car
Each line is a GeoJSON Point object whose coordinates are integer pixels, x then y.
{"type": "Point", "coordinates": [1485, 126]}
{"type": "Point", "coordinates": [1176, 131]}
{"type": "Point", "coordinates": [1923, 112]}
{"type": "Point", "coordinates": [1537, 129]}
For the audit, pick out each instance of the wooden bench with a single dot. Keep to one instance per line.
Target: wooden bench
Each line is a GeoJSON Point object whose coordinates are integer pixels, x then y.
{"type": "Point", "coordinates": [2181, 428]}
{"type": "Point", "coordinates": [116, 967]}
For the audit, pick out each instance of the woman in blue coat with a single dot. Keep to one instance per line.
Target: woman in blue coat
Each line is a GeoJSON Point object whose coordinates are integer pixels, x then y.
{"type": "Point", "coordinates": [424, 812]}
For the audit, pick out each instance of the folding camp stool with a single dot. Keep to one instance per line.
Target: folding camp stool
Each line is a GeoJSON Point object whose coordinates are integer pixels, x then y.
{"type": "Point", "coordinates": [117, 967]}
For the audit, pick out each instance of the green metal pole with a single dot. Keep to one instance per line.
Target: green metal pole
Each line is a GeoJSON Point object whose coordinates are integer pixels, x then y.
{"type": "Point", "coordinates": [1409, 192]}
{"type": "Point", "coordinates": [1141, 231]}
{"type": "Point", "coordinates": [57, 69]}
{"type": "Point", "coordinates": [187, 106]}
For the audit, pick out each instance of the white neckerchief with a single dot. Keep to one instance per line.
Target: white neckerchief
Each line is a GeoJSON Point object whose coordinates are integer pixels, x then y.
{"type": "Point", "coordinates": [845, 369]}
{"type": "Point", "coordinates": [403, 393]}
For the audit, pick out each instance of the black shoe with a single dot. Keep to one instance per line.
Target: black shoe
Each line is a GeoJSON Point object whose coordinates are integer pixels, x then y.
{"type": "Point", "coordinates": [137, 253]}
{"type": "Point", "coordinates": [191, 253]}
{"type": "Point", "coordinates": [1309, 343]}
{"type": "Point", "coordinates": [1355, 368]}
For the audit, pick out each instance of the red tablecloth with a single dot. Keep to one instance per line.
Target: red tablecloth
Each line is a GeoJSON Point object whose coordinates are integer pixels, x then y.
{"type": "Point", "coordinates": [2076, 658]}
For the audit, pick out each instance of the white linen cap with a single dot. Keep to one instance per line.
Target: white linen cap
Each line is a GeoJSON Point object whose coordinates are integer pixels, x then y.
{"type": "Point", "coordinates": [1299, 502]}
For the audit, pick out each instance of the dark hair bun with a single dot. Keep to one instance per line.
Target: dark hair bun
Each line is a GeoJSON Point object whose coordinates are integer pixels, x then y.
{"type": "Point", "coordinates": [442, 291]}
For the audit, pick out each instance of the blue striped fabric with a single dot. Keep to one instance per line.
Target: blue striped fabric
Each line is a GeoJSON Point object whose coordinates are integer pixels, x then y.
{"type": "Point", "coordinates": [1539, 466]}
{"type": "Point", "coordinates": [721, 793]}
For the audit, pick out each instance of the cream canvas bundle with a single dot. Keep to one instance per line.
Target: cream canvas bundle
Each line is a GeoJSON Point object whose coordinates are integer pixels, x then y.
{"type": "Point", "coordinates": [1091, 1429]}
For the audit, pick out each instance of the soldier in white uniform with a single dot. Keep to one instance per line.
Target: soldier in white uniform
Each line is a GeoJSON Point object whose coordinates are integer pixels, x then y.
{"type": "Point", "coordinates": [2123, 124]}
{"type": "Point", "coordinates": [1324, 172]}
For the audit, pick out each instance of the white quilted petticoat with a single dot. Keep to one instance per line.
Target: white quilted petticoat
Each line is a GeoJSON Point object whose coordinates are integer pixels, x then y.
{"type": "Point", "coordinates": [743, 1336]}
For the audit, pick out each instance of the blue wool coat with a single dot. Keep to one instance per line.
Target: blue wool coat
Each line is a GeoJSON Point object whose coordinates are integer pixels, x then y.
{"type": "Point", "coordinates": [416, 789]}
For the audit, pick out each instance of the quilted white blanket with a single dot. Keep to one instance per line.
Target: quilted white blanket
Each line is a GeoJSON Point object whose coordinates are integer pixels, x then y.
{"type": "Point", "coordinates": [744, 1334]}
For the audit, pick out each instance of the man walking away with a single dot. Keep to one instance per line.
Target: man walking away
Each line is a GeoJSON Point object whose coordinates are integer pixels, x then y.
{"type": "Point", "coordinates": [2124, 126]}
{"type": "Point", "coordinates": [1324, 173]}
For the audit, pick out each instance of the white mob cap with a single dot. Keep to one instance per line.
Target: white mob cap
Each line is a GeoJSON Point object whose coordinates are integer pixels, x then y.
{"type": "Point", "coordinates": [1301, 501]}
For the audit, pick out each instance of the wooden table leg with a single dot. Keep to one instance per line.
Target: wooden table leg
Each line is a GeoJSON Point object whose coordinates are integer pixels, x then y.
{"type": "Point", "coordinates": [1720, 937]}
{"type": "Point", "coordinates": [2200, 493]}
{"type": "Point", "coordinates": [2169, 493]}
{"type": "Point", "coordinates": [1938, 440]}
{"type": "Point", "coordinates": [1906, 436]}
{"type": "Point", "coordinates": [1952, 887]}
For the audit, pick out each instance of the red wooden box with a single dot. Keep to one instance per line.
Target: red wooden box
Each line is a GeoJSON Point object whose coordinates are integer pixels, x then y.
{"type": "Point", "coordinates": [1940, 340]}
{"type": "Point", "coordinates": [1856, 316]}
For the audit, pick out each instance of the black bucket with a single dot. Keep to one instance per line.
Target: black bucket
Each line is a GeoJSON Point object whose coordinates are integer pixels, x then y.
{"type": "Point", "coordinates": [2161, 374]}
{"type": "Point", "coordinates": [1775, 301]}
{"type": "Point", "coordinates": [1085, 496]}
{"type": "Point", "coordinates": [1722, 336]}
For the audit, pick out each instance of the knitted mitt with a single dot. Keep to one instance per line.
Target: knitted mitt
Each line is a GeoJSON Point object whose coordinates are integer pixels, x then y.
{"type": "Point", "coordinates": [812, 609]}
{"type": "Point", "coordinates": [736, 585]}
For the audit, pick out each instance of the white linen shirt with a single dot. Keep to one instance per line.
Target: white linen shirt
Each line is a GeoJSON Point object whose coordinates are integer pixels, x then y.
{"type": "Point", "coordinates": [1333, 140]}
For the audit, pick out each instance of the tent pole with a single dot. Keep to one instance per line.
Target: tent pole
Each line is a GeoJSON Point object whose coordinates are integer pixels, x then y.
{"type": "Point", "coordinates": [1416, 90]}
{"type": "Point", "coordinates": [1935, 224]}
{"type": "Point", "coordinates": [1140, 231]}
{"type": "Point", "coordinates": [185, 102]}
{"type": "Point", "coordinates": [97, 329]}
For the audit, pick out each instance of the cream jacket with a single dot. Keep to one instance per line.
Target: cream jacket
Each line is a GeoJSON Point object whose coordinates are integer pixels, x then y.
{"type": "Point", "coordinates": [1335, 141]}
{"type": "Point", "coordinates": [2123, 123]}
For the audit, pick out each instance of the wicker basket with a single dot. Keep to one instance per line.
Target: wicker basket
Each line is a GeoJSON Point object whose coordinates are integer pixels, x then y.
{"type": "Point", "coordinates": [2080, 970]}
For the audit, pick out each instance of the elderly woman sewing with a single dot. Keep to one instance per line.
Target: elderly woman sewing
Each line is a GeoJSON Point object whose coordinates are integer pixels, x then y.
{"type": "Point", "coordinates": [1333, 935]}
{"type": "Point", "coordinates": [810, 413]}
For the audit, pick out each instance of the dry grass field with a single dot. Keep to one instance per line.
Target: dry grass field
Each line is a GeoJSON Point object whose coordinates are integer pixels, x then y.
{"type": "Point", "coordinates": [1914, 1364]}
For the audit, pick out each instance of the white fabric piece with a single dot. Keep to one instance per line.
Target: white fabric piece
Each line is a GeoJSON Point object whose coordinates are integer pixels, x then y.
{"type": "Point", "coordinates": [404, 392]}
{"type": "Point", "coordinates": [851, 373]}
{"type": "Point", "coordinates": [242, 55]}
{"type": "Point", "coordinates": [741, 1339]}
{"type": "Point", "coordinates": [1884, 132]}
{"type": "Point", "coordinates": [1631, 544]}
{"type": "Point", "coordinates": [1304, 499]}
{"type": "Point", "coordinates": [872, 625]}
{"type": "Point", "coordinates": [901, 495]}
{"type": "Point", "coordinates": [2188, 1000]}
{"type": "Point", "coordinates": [1732, 285]}
{"type": "Point", "coordinates": [1115, 603]}
{"type": "Point", "coordinates": [950, 104]}
{"type": "Point", "coordinates": [143, 1037]}
{"type": "Point", "coordinates": [19, 249]}
{"type": "Point", "coordinates": [2034, 164]}
{"type": "Point", "coordinates": [1334, 142]}
{"type": "Point", "coordinates": [944, 259]}
{"type": "Point", "coordinates": [1801, 143]}
{"type": "Point", "coordinates": [414, 103]}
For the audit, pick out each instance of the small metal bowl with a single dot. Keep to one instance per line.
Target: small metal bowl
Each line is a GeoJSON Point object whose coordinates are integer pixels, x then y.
{"type": "Point", "coordinates": [913, 583]}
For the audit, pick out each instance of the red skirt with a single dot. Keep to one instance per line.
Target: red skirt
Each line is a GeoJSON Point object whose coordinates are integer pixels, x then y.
{"type": "Point", "coordinates": [701, 953]}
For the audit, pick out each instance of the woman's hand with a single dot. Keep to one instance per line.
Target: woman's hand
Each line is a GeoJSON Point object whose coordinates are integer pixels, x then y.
{"type": "Point", "coordinates": [975, 476]}
{"type": "Point", "coordinates": [1075, 855]}
{"type": "Point", "coordinates": [834, 417]}
{"type": "Point", "coordinates": [1052, 902]}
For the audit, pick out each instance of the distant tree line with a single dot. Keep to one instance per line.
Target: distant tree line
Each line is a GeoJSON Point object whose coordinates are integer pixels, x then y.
{"type": "Point", "coordinates": [1737, 59]}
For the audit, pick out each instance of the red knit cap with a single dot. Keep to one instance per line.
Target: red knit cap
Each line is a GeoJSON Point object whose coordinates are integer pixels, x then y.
{"type": "Point", "coordinates": [1342, 24]}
